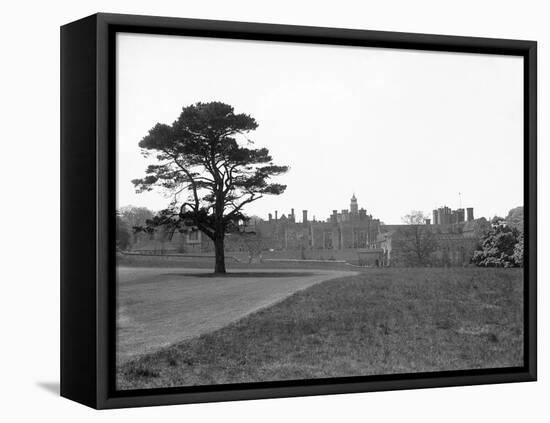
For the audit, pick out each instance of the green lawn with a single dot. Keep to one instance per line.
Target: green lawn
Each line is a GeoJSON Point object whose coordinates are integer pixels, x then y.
{"type": "Point", "coordinates": [379, 322]}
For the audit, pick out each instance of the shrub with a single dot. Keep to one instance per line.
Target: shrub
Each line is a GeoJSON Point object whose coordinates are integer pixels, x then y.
{"type": "Point", "coordinates": [498, 247]}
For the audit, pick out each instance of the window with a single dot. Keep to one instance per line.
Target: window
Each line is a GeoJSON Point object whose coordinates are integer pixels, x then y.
{"type": "Point", "coordinates": [193, 236]}
{"type": "Point", "coordinates": [327, 240]}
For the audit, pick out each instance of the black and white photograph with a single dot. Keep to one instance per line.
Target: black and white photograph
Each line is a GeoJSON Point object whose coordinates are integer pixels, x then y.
{"type": "Point", "coordinates": [292, 211]}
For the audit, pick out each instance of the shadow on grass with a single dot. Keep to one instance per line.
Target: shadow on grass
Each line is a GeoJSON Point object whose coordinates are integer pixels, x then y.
{"type": "Point", "coordinates": [244, 275]}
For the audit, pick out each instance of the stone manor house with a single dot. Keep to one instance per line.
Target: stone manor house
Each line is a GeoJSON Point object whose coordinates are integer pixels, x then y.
{"type": "Point", "coordinates": [351, 235]}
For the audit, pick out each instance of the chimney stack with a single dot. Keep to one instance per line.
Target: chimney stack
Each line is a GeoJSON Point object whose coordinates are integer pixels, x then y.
{"type": "Point", "coordinates": [460, 214]}
{"type": "Point", "coordinates": [270, 216]}
{"type": "Point", "coordinates": [470, 213]}
{"type": "Point", "coordinates": [304, 216]}
{"type": "Point", "coordinates": [276, 215]}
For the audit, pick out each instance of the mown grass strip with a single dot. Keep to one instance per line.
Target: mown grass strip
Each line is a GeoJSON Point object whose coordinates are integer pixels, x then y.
{"type": "Point", "coordinates": [379, 322]}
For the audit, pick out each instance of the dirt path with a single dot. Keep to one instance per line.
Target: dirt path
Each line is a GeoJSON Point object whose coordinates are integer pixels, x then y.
{"type": "Point", "coordinates": [160, 306]}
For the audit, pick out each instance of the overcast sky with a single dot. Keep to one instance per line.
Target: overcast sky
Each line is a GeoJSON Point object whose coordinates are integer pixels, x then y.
{"type": "Point", "coordinates": [401, 129]}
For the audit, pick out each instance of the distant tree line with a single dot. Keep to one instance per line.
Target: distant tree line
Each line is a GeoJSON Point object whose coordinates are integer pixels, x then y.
{"type": "Point", "coordinates": [129, 220]}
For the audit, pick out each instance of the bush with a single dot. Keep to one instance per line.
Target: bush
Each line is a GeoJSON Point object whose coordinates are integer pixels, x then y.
{"type": "Point", "coordinates": [498, 247]}
{"type": "Point", "coordinates": [519, 252]}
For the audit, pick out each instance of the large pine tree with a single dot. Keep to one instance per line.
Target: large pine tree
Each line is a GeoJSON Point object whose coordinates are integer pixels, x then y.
{"type": "Point", "coordinates": [199, 155]}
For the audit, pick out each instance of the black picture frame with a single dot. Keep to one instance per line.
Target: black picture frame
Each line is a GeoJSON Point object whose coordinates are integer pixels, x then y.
{"type": "Point", "coordinates": [87, 231]}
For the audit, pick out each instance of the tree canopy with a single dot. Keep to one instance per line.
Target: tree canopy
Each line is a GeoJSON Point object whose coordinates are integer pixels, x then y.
{"type": "Point", "coordinates": [415, 217]}
{"type": "Point", "coordinates": [515, 218]}
{"type": "Point", "coordinates": [135, 216]}
{"type": "Point", "coordinates": [499, 247]}
{"type": "Point", "coordinates": [414, 242]}
{"type": "Point", "coordinates": [503, 244]}
{"type": "Point", "coordinates": [202, 156]}
{"type": "Point", "coordinates": [123, 234]}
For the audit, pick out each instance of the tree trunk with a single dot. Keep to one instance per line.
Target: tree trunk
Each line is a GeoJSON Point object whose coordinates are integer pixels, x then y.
{"type": "Point", "coordinates": [220, 255]}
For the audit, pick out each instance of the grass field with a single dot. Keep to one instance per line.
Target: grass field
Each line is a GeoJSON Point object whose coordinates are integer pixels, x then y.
{"type": "Point", "coordinates": [159, 306]}
{"type": "Point", "coordinates": [381, 321]}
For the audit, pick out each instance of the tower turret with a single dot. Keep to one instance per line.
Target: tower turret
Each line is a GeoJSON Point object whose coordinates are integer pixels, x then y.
{"type": "Point", "coordinates": [353, 207]}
